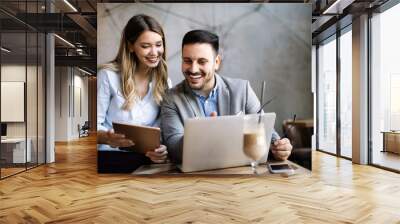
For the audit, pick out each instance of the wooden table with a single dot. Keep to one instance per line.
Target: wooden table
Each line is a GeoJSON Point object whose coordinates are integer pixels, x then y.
{"type": "Point", "coordinates": [171, 170]}
{"type": "Point", "coordinates": [391, 141]}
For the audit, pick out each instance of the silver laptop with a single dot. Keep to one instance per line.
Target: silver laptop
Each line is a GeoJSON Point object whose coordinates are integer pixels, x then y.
{"type": "Point", "coordinates": [216, 142]}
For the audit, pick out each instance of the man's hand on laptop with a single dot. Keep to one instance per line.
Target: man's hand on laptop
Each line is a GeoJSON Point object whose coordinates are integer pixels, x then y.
{"type": "Point", "coordinates": [159, 155]}
{"type": "Point", "coordinates": [281, 149]}
{"type": "Point", "coordinates": [213, 114]}
{"type": "Point", "coordinates": [113, 139]}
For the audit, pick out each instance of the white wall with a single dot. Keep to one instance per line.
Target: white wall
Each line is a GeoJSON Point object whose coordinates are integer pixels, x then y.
{"type": "Point", "coordinates": [79, 117]}
{"type": "Point", "coordinates": [61, 103]}
{"type": "Point", "coordinates": [70, 83]}
{"type": "Point", "coordinates": [33, 127]}
{"type": "Point", "coordinates": [16, 73]}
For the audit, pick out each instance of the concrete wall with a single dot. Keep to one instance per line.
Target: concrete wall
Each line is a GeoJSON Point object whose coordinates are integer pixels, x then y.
{"type": "Point", "coordinates": [71, 102]}
{"type": "Point", "coordinates": [270, 42]}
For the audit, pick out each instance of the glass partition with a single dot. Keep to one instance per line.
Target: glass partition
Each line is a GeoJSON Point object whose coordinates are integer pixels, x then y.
{"type": "Point", "coordinates": [346, 93]}
{"type": "Point", "coordinates": [385, 89]}
{"type": "Point", "coordinates": [22, 88]}
{"type": "Point", "coordinates": [327, 95]}
{"type": "Point", "coordinates": [13, 95]}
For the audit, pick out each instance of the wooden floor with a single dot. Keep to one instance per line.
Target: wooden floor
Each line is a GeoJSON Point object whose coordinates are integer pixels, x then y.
{"type": "Point", "coordinates": [8, 171]}
{"type": "Point", "coordinates": [387, 159]}
{"type": "Point", "coordinates": [70, 191]}
{"type": "Point", "coordinates": [5, 172]}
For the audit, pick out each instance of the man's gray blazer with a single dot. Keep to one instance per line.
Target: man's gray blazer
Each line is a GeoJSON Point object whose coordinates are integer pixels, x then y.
{"type": "Point", "coordinates": [180, 103]}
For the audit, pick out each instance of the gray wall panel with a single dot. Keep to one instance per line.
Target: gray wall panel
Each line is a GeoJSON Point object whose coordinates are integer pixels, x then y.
{"type": "Point", "coordinates": [270, 42]}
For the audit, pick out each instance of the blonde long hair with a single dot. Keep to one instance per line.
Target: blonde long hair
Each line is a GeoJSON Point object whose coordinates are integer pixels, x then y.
{"type": "Point", "coordinates": [125, 63]}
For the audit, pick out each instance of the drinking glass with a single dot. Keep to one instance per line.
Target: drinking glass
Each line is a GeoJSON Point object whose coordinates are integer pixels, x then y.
{"type": "Point", "coordinates": [254, 141]}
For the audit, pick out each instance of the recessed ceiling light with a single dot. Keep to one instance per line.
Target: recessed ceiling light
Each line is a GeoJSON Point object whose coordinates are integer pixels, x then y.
{"type": "Point", "coordinates": [84, 71]}
{"type": "Point", "coordinates": [64, 40]}
{"type": "Point", "coordinates": [337, 7]}
{"type": "Point", "coordinates": [70, 5]}
{"type": "Point", "coordinates": [5, 50]}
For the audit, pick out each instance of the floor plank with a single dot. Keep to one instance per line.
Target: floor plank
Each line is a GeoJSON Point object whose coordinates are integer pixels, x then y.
{"type": "Point", "coordinates": [71, 191]}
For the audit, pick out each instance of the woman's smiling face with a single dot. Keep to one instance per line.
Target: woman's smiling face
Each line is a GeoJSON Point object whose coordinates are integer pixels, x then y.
{"type": "Point", "coordinates": [148, 48]}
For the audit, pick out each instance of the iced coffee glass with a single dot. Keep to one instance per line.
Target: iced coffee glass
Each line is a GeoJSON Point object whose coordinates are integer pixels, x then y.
{"type": "Point", "coordinates": [254, 142]}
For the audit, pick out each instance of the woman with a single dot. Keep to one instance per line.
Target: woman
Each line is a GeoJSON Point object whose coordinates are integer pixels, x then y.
{"type": "Point", "coordinates": [131, 87]}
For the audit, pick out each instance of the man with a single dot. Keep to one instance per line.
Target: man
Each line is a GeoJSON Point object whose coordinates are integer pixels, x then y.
{"type": "Point", "coordinates": [205, 93]}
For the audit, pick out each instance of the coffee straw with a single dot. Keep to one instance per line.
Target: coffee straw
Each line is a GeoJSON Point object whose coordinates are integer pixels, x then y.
{"type": "Point", "coordinates": [262, 100]}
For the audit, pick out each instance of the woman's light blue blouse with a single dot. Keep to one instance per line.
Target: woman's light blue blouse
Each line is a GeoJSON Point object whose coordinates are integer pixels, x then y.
{"type": "Point", "coordinates": [110, 100]}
